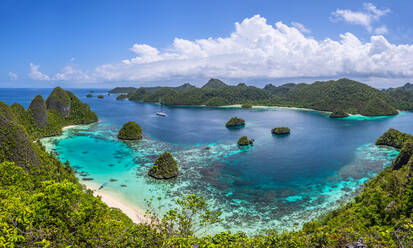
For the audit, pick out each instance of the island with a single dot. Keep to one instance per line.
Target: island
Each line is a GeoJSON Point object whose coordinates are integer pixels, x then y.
{"type": "Point", "coordinates": [244, 141]}
{"type": "Point", "coordinates": [280, 130]}
{"type": "Point", "coordinates": [346, 95]}
{"type": "Point", "coordinates": [235, 122]}
{"type": "Point", "coordinates": [394, 138]}
{"type": "Point", "coordinates": [39, 111]}
{"type": "Point", "coordinates": [338, 114]}
{"type": "Point", "coordinates": [122, 97]}
{"type": "Point", "coordinates": [165, 167]}
{"type": "Point", "coordinates": [130, 131]}
{"type": "Point", "coordinates": [35, 184]}
{"type": "Point", "coordinates": [101, 96]}
{"type": "Point", "coordinates": [89, 95]}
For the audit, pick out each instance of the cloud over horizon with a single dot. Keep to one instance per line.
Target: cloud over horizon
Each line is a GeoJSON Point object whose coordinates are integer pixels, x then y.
{"type": "Point", "coordinates": [255, 50]}
{"type": "Point", "coordinates": [259, 50]}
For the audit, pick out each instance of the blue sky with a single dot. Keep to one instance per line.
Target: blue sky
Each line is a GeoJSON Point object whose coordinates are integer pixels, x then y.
{"type": "Point", "coordinates": [107, 43]}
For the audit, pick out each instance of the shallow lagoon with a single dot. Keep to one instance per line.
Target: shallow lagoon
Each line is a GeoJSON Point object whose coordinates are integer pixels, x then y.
{"type": "Point", "coordinates": [280, 182]}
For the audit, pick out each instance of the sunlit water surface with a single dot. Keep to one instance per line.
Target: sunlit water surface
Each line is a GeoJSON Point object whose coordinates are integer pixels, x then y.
{"type": "Point", "coordinates": [280, 182]}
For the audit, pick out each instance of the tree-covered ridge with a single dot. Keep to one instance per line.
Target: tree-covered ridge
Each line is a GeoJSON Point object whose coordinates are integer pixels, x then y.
{"type": "Point", "coordinates": [403, 96]}
{"type": "Point", "coordinates": [42, 204]}
{"type": "Point", "coordinates": [394, 138]}
{"type": "Point", "coordinates": [345, 95]}
{"type": "Point", "coordinates": [42, 119]}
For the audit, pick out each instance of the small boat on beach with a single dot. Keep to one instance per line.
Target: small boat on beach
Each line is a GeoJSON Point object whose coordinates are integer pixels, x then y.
{"type": "Point", "coordinates": [161, 114]}
{"type": "Point", "coordinates": [101, 186]}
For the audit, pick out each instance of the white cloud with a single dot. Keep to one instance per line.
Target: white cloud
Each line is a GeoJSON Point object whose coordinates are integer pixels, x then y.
{"type": "Point", "coordinates": [300, 27]}
{"type": "Point", "coordinates": [72, 73]}
{"type": "Point", "coordinates": [255, 50]}
{"type": "Point", "coordinates": [35, 74]}
{"type": "Point", "coordinates": [365, 18]}
{"type": "Point", "coordinates": [259, 50]}
{"type": "Point", "coordinates": [381, 30]}
{"type": "Point", "coordinates": [13, 76]}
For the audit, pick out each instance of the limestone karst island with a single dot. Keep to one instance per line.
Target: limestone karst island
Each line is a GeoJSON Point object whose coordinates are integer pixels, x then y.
{"type": "Point", "coordinates": [206, 124]}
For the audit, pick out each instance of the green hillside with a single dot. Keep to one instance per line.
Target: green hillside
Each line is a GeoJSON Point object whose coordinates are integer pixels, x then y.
{"type": "Point", "coordinates": [42, 204]}
{"type": "Point", "coordinates": [342, 95]}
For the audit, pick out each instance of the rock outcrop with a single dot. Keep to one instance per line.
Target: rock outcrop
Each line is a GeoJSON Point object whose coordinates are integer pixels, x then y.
{"type": "Point", "coordinates": [338, 114]}
{"type": "Point", "coordinates": [15, 145]}
{"type": "Point", "coordinates": [130, 131]}
{"type": "Point", "coordinates": [165, 167]}
{"type": "Point", "coordinates": [39, 111]}
{"type": "Point", "coordinates": [393, 138]}
{"type": "Point", "coordinates": [235, 122]}
{"type": "Point", "coordinates": [280, 130]}
{"type": "Point", "coordinates": [59, 101]}
{"type": "Point", "coordinates": [404, 156]}
{"type": "Point", "coordinates": [244, 141]}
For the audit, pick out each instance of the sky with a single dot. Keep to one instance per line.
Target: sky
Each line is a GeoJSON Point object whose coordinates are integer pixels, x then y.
{"type": "Point", "coordinates": [103, 44]}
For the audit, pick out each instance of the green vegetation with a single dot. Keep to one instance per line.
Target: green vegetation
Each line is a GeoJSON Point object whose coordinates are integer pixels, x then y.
{"type": "Point", "coordinates": [122, 97]}
{"type": "Point", "coordinates": [280, 130]}
{"type": "Point", "coordinates": [59, 101]}
{"type": "Point", "coordinates": [123, 90]}
{"type": "Point", "coordinates": [244, 141]}
{"type": "Point", "coordinates": [235, 122]}
{"type": "Point", "coordinates": [101, 96]}
{"type": "Point", "coordinates": [130, 131]}
{"type": "Point", "coordinates": [214, 83]}
{"type": "Point", "coordinates": [246, 106]}
{"type": "Point", "coordinates": [394, 138]}
{"type": "Point", "coordinates": [165, 167]}
{"type": "Point", "coordinates": [39, 111]}
{"type": "Point", "coordinates": [403, 96]}
{"type": "Point", "coordinates": [89, 95]}
{"type": "Point", "coordinates": [345, 95]}
{"type": "Point", "coordinates": [42, 204]}
{"type": "Point", "coordinates": [41, 119]}
{"type": "Point", "coordinates": [338, 114]}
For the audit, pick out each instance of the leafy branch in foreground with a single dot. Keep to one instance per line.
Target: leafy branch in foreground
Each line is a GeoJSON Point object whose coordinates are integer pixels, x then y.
{"type": "Point", "coordinates": [190, 216]}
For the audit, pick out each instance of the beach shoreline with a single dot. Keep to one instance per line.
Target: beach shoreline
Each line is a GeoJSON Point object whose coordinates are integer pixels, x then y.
{"type": "Point", "coordinates": [113, 201]}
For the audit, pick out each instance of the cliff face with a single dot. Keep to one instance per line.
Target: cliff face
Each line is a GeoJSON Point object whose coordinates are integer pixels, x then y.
{"type": "Point", "coordinates": [15, 145]}
{"type": "Point", "coordinates": [39, 111]}
{"type": "Point", "coordinates": [59, 100]}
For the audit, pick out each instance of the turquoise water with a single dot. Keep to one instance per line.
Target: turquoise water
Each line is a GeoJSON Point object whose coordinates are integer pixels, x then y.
{"type": "Point", "coordinates": [280, 182]}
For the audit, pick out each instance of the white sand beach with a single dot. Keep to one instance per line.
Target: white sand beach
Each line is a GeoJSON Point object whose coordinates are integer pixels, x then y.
{"type": "Point", "coordinates": [110, 198]}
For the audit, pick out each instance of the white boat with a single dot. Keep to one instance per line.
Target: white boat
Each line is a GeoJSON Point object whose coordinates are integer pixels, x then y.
{"type": "Point", "coordinates": [161, 114]}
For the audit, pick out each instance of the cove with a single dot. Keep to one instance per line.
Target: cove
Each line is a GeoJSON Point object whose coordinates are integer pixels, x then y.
{"type": "Point", "coordinates": [280, 182]}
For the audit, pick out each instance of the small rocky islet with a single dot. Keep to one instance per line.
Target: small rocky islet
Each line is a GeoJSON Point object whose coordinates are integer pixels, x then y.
{"type": "Point", "coordinates": [235, 122]}
{"type": "Point", "coordinates": [244, 141]}
{"type": "Point", "coordinates": [130, 131]}
{"type": "Point", "coordinates": [280, 130]}
{"type": "Point", "coordinates": [165, 167]}
{"type": "Point", "coordinates": [338, 114]}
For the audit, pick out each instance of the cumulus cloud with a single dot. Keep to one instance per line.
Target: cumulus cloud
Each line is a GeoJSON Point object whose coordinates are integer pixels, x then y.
{"type": "Point", "coordinates": [365, 18]}
{"type": "Point", "coordinates": [72, 73]}
{"type": "Point", "coordinates": [301, 27]}
{"type": "Point", "coordinates": [35, 74]}
{"type": "Point", "coordinates": [13, 76]}
{"type": "Point", "coordinates": [260, 50]}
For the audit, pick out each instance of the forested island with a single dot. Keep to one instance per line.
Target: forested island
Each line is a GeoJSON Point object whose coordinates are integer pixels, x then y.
{"type": "Point", "coordinates": [342, 96]}
{"type": "Point", "coordinates": [42, 203]}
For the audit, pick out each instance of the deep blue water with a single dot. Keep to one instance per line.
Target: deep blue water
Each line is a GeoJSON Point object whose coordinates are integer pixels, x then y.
{"type": "Point", "coordinates": [277, 182]}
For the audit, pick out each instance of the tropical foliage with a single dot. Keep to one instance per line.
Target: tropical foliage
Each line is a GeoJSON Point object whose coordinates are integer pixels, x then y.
{"type": "Point", "coordinates": [345, 95]}
{"type": "Point", "coordinates": [42, 204]}
{"type": "Point", "coordinates": [130, 131]}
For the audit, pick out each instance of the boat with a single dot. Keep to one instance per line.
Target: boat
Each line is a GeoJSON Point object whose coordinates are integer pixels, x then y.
{"type": "Point", "coordinates": [101, 186]}
{"type": "Point", "coordinates": [161, 114]}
